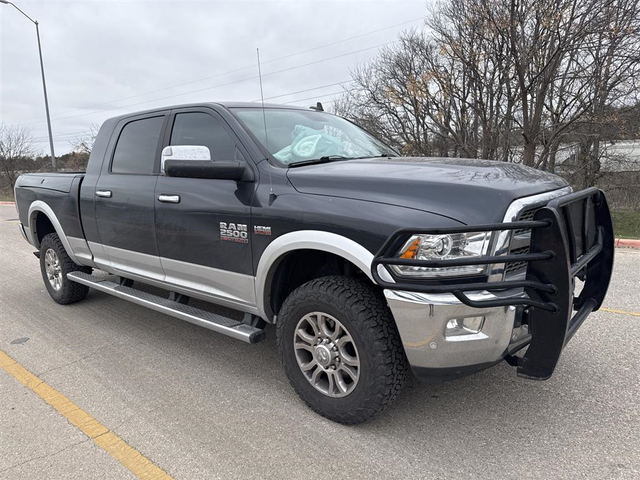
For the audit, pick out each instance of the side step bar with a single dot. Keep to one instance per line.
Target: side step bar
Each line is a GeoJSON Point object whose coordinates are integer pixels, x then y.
{"type": "Point", "coordinates": [217, 323]}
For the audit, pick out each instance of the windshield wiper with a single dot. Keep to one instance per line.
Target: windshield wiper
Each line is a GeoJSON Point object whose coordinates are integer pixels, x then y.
{"type": "Point", "coordinates": [325, 159]}
{"type": "Point", "coordinates": [335, 158]}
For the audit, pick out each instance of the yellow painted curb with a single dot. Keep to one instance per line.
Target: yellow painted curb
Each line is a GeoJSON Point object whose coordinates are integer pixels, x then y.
{"type": "Point", "coordinates": [128, 456]}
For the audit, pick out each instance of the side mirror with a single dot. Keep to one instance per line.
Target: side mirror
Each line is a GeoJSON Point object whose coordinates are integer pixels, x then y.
{"type": "Point", "coordinates": [191, 161]}
{"type": "Point", "coordinates": [198, 153]}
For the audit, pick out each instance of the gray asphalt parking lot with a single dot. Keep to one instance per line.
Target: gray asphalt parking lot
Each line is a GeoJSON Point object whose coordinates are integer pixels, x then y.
{"type": "Point", "coordinates": [202, 405]}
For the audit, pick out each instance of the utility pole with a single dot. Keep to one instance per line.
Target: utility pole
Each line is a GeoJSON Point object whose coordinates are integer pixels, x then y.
{"type": "Point", "coordinates": [44, 83]}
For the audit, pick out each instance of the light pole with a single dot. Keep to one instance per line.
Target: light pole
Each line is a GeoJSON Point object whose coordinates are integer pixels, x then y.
{"type": "Point", "coordinates": [44, 83]}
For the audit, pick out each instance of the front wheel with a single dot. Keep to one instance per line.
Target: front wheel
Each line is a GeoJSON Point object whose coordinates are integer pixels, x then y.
{"type": "Point", "coordinates": [55, 264]}
{"type": "Point", "coordinates": [340, 348]}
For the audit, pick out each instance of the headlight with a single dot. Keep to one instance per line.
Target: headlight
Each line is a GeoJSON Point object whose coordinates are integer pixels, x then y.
{"type": "Point", "coordinates": [443, 247]}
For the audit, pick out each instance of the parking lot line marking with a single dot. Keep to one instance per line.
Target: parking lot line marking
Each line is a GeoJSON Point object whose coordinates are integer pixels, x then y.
{"type": "Point", "coordinates": [621, 312]}
{"type": "Point", "coordinates": [133, 460]}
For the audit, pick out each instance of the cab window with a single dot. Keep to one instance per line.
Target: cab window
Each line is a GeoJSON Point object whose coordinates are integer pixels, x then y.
{"type": "Point", "coordinates": [197, 128]}
{"type": "Point", "coordinates": [135, 152]}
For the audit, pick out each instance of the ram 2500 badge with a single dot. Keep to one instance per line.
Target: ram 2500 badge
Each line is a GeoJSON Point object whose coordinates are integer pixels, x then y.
{"type": "Point", "coordinates": [368, 263]}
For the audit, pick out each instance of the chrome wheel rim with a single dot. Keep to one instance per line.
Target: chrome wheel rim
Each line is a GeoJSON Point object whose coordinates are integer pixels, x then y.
{"type": "Point", "coordinates": [326, 354]}
{"type": "Point", "coordinates": [53, 268]}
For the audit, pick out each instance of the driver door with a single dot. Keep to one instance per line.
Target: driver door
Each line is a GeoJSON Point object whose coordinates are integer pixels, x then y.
{"type": "Point", "coordinates": [193, 216]}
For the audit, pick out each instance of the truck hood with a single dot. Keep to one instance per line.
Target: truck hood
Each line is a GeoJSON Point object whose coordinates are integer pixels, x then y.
{"type": "Point", "coordinates": [468, 190]}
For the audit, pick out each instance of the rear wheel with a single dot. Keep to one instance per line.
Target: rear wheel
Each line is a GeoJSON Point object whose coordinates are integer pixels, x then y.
{"type": "Point", "coordinates": [55, 264]}
{"type": "Point", "coordinates": [340, 348]}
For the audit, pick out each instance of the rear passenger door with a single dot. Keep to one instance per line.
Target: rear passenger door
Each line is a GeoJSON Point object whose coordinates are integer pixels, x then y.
{"type": "Point", "coordinates": [192, 250]}
{"type": "Point", "coordinates": [124, 197]}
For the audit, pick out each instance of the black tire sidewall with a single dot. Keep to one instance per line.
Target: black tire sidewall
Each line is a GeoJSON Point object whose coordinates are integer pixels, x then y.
{"type": "Point", "coordinates": [326, 303]}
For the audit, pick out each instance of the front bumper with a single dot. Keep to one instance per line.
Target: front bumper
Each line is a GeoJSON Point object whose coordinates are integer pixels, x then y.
{"type": "Point", "coordinates": [437, 353]}
{"type": "Point", "coordinates": [571, 236]}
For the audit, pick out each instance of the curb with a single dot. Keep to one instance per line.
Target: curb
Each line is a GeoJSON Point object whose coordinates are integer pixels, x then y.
{"type": "Point", "coordinates": [627, 243]}
{"type": "Point", "coordinates": [7, 203]}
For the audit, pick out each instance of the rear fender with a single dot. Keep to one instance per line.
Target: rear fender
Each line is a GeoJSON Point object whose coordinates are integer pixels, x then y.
{"type": "Point", "coordinates": [39, 207]}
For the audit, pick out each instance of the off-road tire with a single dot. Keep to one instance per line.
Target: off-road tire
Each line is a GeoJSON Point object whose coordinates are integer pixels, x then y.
{"type": "Point", "coordinates": [69, 292]}
{"type": "Point", "coordinates": [363, 311]}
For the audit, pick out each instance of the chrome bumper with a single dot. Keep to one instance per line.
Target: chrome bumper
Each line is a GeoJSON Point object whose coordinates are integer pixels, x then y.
{"type": "Point", "coordinates": [437, 352]}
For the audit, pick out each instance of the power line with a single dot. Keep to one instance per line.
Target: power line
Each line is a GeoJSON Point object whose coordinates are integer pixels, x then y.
{"type": "Point", "coordinates": [222, 2]}
{"type": "Point", "coordinates": [307, 90]}
{"type": "Point", "coordinates": [81, 132]}
{"type": "Point", "coordinates": [221, 85]}
{"type": "Point", "coordinates": [71, 135]}
{"type": "Point", "coordinates": [231, 71]}
{"type": "Point", "coordinates": [317, 97]}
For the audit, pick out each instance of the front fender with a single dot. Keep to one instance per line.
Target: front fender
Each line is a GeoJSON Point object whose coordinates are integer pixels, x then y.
{"type": "Point", "coordinates": [306, 240]}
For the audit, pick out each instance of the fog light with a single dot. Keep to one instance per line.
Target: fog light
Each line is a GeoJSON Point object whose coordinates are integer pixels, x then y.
{"type": "Point", "coordinates": [464, 326]}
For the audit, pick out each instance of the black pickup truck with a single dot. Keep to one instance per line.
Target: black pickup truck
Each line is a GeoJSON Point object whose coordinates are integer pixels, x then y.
{"type": "Point", "coordinates": [367, 262]}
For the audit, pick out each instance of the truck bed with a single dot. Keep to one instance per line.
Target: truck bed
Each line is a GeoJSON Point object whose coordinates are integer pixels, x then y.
{"type": "Point", "coordinates": [59, 192]}
{"type": "Point", "coordinates": [60, 182]}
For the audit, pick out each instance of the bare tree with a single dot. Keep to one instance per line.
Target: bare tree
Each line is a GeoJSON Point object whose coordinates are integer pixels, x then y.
{"type": "Point", "coordinates": [16, 152]}
{"type": "Point", "coordinates": [84, 143]}
{"type": "Point", "coordinates": [507, 80]}
{"type": "Point", "coordinates": [388, 100]}
{"type": "Point", "coordinates": [612, 59]}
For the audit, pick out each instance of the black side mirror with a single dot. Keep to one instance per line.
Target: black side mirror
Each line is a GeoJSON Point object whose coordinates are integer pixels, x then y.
{"type": "Point", "coordinates": [226, 170]}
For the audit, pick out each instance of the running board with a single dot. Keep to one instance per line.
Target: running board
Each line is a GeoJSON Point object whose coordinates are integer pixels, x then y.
{"type": "Point", "coordinates": [217, 323]}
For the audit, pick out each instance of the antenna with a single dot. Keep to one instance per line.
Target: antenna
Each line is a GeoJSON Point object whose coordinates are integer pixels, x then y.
{"type": "Point", "coordinates": [264, 121]}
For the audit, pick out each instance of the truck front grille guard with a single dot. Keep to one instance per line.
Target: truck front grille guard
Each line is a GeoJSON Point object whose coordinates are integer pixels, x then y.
{"type": "Point", "coordinates": [572, 235]}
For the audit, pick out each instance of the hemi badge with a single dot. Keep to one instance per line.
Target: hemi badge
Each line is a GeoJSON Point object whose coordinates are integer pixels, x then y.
{"type": "Point", "coordinates": [260, 230]}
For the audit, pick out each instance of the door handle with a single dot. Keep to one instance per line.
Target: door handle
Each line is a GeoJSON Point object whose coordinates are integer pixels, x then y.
{"type": "Point", "coordinates": [103, 193]}
{"type": "Point", "coordinates": [169, 198]}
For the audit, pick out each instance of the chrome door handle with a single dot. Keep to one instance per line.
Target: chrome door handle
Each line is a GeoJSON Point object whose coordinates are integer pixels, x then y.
{"type": "Point", "coordinates": [103, 193]}
{"type": "Point", "coordinates": [169, 198]}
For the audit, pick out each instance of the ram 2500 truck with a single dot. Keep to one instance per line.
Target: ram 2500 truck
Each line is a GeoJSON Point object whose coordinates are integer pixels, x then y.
{"type": "Point", "coordinates": [368, 263]}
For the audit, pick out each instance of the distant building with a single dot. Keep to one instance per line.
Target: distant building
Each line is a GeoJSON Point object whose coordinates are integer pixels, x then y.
{"type": "Point", "coordinates": [617, 156]}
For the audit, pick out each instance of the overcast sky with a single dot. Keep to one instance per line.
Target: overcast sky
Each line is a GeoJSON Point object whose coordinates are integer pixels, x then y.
{"type": "Point", "coordinates": [104, 58]}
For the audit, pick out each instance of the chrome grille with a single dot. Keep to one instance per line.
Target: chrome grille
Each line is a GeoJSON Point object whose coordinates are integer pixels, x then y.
{"type": "Point", "coordinates": [520, 244]}
{"type": "Point", "coordinates": [516, 241]}
{"type": "Point", "coordinates": [526, 216]}
{"type": "Point", "coordinates": [517, 267]}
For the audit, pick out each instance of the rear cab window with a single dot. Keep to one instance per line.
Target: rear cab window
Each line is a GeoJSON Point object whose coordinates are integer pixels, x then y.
{"type": "Point", "coordinates": [135, 151]}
